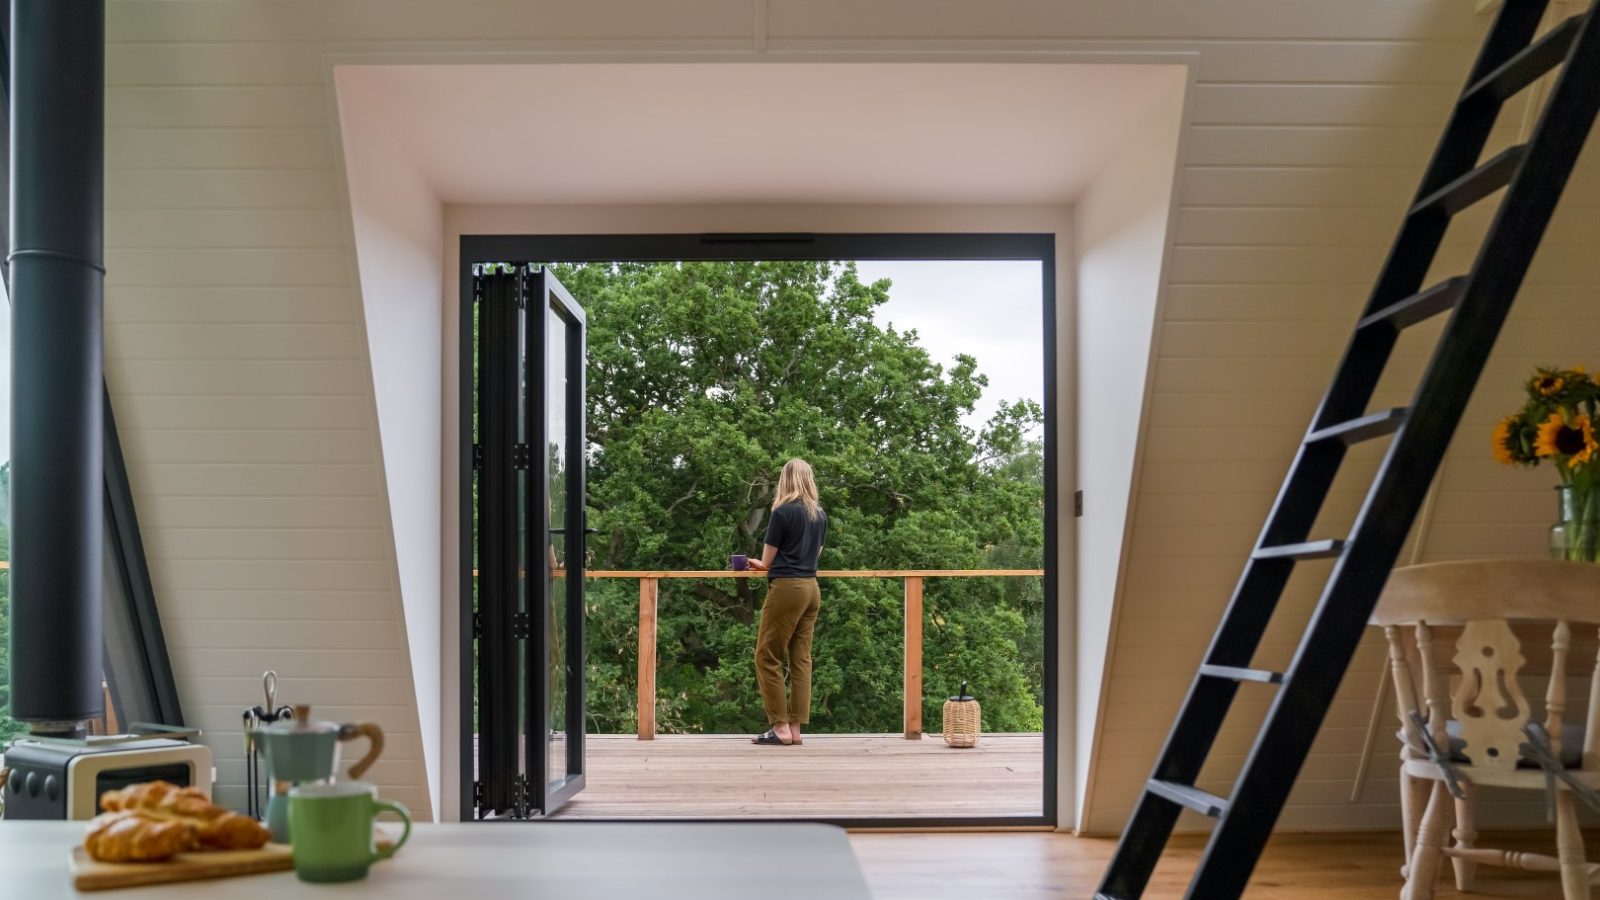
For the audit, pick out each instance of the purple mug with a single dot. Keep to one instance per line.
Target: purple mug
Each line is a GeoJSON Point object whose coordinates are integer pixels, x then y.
{"type": "Point", "coordinates": [739, 561]}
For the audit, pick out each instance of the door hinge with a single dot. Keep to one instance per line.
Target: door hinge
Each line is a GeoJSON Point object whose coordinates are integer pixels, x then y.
{"type": "Point", "coordinates": [477, 795]}
{"type": "Point", "coordinates": [522, 808]}
{"type": "Point", "coordinates": [521, 456]}
{"type": "Point", "coordinates": [1077, 504]}
{"type": "Point", "coordinates": [519, 626]}
{"type": "Point", "coordinates": [477, 456]}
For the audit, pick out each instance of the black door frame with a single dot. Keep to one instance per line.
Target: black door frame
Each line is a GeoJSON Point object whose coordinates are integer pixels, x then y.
{"type": "Point", "coordinates": [502, 570]}
{"type": "Point", "coordinates": [579, 248]}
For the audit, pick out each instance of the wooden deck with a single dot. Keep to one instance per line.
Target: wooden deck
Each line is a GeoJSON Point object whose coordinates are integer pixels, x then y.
{"type": "Point", "coordinates": [829, 776]}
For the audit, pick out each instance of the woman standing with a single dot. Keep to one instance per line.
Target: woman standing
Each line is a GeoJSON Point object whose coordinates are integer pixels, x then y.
{"type": "Point", "coordinates": [794, 541]}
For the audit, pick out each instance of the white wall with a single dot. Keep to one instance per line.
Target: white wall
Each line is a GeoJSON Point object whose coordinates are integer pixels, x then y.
{"type": "Point", "coordinates": [399, 247]}
{"type": "Point", "coordinates": [1121, 232]}
{"type": "Point", "coordinates": [1057, 220]}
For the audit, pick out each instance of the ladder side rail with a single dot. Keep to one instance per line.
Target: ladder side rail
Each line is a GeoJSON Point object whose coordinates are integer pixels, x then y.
{"type": "Point", "coordinates": [1311, 473]}
{"type": "Point", "coordinates": [1249, 610]}
{"type": "Point", "coordinates": [1465, 135]}
{"type": "Point", "coordinates": [1513, 30]}
{"type": "Point", "coordinates": [1205, 707]}
{"type": "Point", "coordinates": [1461, 143]}
{"type": "Point", "coordinates": [1406, 473]}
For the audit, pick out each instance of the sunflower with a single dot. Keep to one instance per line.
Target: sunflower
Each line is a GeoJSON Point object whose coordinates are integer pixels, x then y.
{"type": "Point", "coordinates": [1547, 383]}
{"type": "Point", "coordinates": [1574, 440]}
{"type": "Point", "coordinates": [1590, 445]}
{"type": "Point", "coordinates": [1509, 447]}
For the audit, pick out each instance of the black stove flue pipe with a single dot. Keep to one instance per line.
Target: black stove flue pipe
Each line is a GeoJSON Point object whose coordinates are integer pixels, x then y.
{"type": "Point", "coordinates": [57, 87]}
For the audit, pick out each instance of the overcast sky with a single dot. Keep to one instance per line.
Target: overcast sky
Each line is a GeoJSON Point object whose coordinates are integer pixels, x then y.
{"type": "Point", "coordinates": [992, 310]}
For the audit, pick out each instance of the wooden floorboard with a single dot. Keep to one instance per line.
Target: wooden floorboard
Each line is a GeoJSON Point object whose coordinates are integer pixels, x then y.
{"type": "Point", "coordinates": [1062, 867]}
{"type": "Point", "coordinates": [829, 776]}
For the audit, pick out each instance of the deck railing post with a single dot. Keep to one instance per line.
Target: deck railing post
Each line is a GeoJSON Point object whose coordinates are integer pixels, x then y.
{"type": "Point", "coordinates": [913, 659]}
{"type": "Point", "coordinates": [648, 593]}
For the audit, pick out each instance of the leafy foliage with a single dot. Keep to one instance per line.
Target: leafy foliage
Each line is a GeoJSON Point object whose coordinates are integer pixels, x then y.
{"type": "Point", "coordinates": [703, 379]}
{"type": "Point", "coordinates": [9, 727]}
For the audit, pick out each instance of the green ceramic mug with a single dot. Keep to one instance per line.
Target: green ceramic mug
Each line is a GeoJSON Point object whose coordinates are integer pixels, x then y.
{"type": "Point", "coordinates": [332, 829]}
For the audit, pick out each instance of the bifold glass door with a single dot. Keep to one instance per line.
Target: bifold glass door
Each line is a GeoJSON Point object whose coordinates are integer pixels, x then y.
{"type": "Point", "coordinates": [527, 537]}
{"type": "Point", "coordinates": [555, 668]}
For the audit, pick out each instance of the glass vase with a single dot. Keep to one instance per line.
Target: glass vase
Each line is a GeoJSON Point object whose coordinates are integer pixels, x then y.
{"type": "Point", "coordinates": [1575, 536]}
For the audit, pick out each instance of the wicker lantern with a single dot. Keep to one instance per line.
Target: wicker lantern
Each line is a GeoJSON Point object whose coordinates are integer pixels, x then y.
{"type": "Point", "coordinates": [963, 719]}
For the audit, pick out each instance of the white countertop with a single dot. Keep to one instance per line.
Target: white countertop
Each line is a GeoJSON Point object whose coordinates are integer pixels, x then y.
{"type": "Point", "coordinates": [478, 861]}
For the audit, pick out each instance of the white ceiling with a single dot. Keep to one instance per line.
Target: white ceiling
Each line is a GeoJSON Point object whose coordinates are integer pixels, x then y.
{"type": "Point", "coordinates": [768, 133]}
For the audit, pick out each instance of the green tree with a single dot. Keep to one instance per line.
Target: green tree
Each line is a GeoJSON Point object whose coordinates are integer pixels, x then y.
{"type": "Point", "coordinates": [703, 379]}
{"type": "Point", "coordinates": [9, 727]}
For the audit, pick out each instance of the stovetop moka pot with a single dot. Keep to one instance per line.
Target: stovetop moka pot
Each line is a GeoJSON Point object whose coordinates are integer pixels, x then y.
{"type": "Point", "coordinates": [302, 751]}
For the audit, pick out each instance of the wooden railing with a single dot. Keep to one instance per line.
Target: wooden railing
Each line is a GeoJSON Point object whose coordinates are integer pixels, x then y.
{"type": "Point", "coordinates": [911, 685]}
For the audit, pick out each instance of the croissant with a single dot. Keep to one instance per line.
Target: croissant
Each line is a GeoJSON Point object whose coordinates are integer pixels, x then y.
{"type": "Point", "coordinates": [232, 831]}
{"type": "Point", "coordinates": [216, 828]}
{"type": "Point", "coordinates": [132, 836]}
{"type": "Point", "coordinates": [161, 796]}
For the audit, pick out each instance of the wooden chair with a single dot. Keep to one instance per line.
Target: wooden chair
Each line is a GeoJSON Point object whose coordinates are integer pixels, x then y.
{"type": "Point", "coordinates": [1503, 610]}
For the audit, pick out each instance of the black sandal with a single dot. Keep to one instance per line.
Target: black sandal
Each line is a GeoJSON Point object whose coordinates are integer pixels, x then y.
{"type": "Point", "coordinates": [770, 739]}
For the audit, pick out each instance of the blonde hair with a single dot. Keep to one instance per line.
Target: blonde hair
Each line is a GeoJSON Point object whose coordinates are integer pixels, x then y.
{"type": "Point", "coordinates": [796, 484]}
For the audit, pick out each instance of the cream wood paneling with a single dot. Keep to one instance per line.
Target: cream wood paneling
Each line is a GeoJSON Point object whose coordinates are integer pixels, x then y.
{"type": "Point", "coordinates": [1280, 231]}
{"type": "Point", "coordinates": [1312, 123]}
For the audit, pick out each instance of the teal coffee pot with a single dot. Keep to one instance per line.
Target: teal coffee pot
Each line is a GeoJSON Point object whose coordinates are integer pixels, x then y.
{"type": "Point", "coordinates": [301, 751]}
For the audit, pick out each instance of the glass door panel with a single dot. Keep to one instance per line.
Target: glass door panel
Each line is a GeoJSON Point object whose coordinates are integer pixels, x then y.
{"type": "Point", "coordinates": [556, 623]}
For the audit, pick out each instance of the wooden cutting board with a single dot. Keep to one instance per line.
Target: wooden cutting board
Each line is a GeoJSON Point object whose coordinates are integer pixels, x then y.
{"type": "Point", "coordinates": [93, 875]}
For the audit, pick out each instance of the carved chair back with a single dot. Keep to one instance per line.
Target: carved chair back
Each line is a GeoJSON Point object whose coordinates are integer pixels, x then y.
{"type": "Point", "coordinates": [1491, 620]}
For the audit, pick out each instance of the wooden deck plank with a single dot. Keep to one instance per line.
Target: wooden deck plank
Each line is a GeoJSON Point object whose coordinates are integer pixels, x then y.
{"type": "Point", "coordinates": [829, 776]}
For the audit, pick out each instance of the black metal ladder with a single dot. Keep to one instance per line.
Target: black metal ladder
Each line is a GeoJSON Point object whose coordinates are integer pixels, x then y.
{"type": "Point", "coordinates": [1535, 174]}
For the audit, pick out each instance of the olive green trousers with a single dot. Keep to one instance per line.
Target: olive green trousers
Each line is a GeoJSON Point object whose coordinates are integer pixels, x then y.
{"type": "Point", "coordinates": [788, 619]}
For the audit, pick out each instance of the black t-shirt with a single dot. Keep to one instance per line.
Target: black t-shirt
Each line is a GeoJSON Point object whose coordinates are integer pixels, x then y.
{"type": "Point", "coordinates": [798, 539]}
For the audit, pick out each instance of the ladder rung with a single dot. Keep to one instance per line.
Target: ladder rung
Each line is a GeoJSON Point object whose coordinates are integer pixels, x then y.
{"type": "Point", "coordinates": [1192, 797]}
{"type": "Point", "coordinates": [1363, 429]}
{"type": "Point", "coordinates": [1413, 309]}
{"type": "Point", "coordinates": [1234, 673]}
{"type": "Point", "coordinates": [1525, 68]}
{"type": "Point", "coordinates": [1475, 185]}
{"type": "Point", "coordinates": [1308, 550]}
